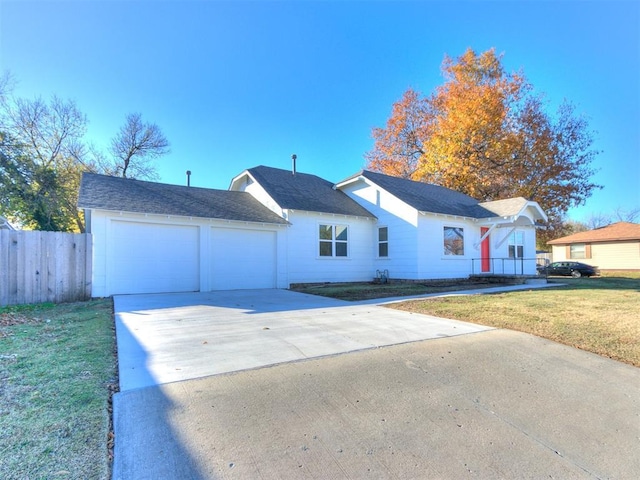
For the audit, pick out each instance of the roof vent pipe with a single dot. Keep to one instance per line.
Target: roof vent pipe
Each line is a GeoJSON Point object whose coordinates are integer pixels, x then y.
{"type": "Point", "coordinates": [293, 163]}
{"type": "Point", "coordinates": [188, 178]}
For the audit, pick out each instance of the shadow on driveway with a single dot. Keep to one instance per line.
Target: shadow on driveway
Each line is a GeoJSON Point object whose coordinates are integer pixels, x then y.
{"type": "Point", "coordinates": [175, 337]}
{"type": "Point", "coordinates": [496, 404]}
{"type": "Point", "coordinates": [147, 445]}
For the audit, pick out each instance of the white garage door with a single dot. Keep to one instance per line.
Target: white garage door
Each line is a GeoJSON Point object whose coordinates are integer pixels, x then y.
{"type": "Point", "coordinates": [153, 258]}
{"type": "Point", "coordinates": [242, 259]}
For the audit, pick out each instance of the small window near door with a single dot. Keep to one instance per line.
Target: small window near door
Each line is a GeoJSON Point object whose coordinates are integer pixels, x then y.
{"type": "Point", "coordinates": [516, 245]}
{"type": "Point", "coordinates": [577, 250]}
{"type": "Point", "coordinates": [383, 242]}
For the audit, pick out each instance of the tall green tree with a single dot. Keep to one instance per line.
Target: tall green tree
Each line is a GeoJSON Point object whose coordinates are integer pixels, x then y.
{"type": "Point", "coordinates": [41, 154]}
{"type": "Point", "coordinates": [486, 133]}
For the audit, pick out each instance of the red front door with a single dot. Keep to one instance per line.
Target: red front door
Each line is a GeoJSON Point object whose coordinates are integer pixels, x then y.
{"type": "Point", "coordinates": [484, 251]}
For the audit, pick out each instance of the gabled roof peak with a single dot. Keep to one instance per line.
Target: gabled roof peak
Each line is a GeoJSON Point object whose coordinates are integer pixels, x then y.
{"type": "Point", "coordinates": [430, 198]}
{"type": "Point", "coordinates": [306, 192]}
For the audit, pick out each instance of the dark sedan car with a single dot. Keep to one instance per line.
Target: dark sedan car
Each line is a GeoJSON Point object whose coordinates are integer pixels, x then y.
{"type": "Point", "coordinates": [574, 269]}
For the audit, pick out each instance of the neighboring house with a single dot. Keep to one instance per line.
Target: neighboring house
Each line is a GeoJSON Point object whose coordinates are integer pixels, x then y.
{"type": "Point", "coordinates": [275, 227]}
{"type": "Point", "coordinates": [614, 247]}
{"type": "Point", "coordinates": [5, 225]}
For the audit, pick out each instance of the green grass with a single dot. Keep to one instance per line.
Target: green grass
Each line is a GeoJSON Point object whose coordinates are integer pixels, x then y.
{"type": "Point", "coordinates": [600, 315]}
{"type": "Point", "coordinates": [57, 365]}
{"type": "Point", "coordinates": [367, 290]}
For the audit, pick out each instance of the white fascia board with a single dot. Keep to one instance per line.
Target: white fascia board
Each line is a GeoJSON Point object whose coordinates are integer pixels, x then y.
{"type": "Point", "coordinates": [344, 183]}
{"type": "Point", "coordinates": [271, 204]}
{"type": "Point", "coordinates": [371, 183]}
{"type": "Point", "coordinates": [522, 213]}
{"type": "Point", "coordinates": [239, 177]}
{"type": "Point", "coordinates": [327, 214]}
{"type": "Point", "coordinates": [447, 215]}
{"type": "Point", "coordinates": [183, 218]}
{"type": "Point", "coordinates": [506, 220]}
{"type": "Point", "coordinates": [535, 206]}
{"type": "Point", "coordinates": [498, 221]}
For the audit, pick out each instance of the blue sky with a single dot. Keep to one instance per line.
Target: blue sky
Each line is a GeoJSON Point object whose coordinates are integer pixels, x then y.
{"type": "Point", "coordinates": [239, 84]}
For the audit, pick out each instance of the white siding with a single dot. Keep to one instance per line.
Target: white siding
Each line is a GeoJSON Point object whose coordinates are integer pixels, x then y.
{"type": "Point", "coordinates": [401, 220]}
{"type": "Point", "coordinates": [499, 251]}
{"type": "Point", "coordinates": [306, 265]}
{"type": "Point", "coordinates": [416, 241]}
{"type": "Point", "coordinates": [432, 262]}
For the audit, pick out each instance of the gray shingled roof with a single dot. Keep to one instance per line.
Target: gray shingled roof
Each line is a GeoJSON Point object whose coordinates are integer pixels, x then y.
{"type": "Point", "coordinates": [306, 192]}
{"type": "Point", "coordinates": [126, 195]}
{"type": "Point", "coordinates": [426, 197]}
{"type": "Point", "coordinates": [507, 207]}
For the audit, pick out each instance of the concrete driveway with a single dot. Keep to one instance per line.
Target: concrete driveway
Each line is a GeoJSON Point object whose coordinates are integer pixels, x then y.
{"type": "Point", "coordinates": [467, 402]}
{"type": "Point", "coordinates": [174, 337]}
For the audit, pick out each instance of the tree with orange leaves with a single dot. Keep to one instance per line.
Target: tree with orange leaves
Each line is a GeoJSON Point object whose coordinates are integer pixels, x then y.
{"type": "Point", "coordinates": [485, 132]}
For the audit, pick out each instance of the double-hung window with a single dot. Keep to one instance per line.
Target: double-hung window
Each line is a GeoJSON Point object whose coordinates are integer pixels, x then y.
{"type": "Point", "coordinates": [333, 240]}
{"type": "Point", "coordinates": [453, 241]}
{"type": "Point", "coordinates": [516, 245]}
{"type": "Point", "coordinates": [577, 250]}
{"type": "Point", "coordinates": [383, 242]}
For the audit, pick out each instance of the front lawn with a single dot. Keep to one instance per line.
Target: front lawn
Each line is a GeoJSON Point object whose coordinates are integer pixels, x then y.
{"type": "Point", "coordinates": [599, 314]}
{"type": "Point", "coordinates": [366, 290]}
{"type": "Point", "coordinates": [57, 365]}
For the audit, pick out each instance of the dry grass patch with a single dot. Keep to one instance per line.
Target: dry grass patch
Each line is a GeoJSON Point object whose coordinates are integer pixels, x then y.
{"type": "Point", "coordinates": [56, 367]}
{"type": "Point", "coordinates": [600, 315]}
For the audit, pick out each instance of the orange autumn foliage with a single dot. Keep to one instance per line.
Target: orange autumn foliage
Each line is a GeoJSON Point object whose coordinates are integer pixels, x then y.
{"type": "Point", "coordinates": [485, 133]}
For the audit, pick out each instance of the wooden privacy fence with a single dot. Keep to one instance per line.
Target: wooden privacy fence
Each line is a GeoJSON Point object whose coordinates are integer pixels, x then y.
{"type": "Point", "coordinates": [37, 267]}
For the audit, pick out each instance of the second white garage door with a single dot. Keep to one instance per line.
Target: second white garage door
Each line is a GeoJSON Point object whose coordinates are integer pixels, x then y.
{"type": "Point", "coordinates": [242, 259]}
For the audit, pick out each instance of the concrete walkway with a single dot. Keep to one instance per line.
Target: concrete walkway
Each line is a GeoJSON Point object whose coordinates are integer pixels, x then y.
{"type": "Point", "coordinates": [488, 404]}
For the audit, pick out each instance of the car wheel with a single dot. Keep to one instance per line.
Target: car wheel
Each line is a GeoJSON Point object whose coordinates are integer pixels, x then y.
{"type": "Point", "coordinates": [576, 274]}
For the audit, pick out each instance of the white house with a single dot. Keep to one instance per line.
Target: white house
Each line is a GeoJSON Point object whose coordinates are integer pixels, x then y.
{"type": "Point", "coordinates": [426, 231]}
{"type": "Point", "coordinates": [275, 227]}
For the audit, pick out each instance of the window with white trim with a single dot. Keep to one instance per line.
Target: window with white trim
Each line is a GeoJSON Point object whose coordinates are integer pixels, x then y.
{"type": "Point", "coordinates": [383, 242]}
{"type": "Point", "coordinates": [516, 245]}
{"type": "Point", "coordinates": [333, 240]}
{"type": "Point", "coordinates": [453, 241]}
